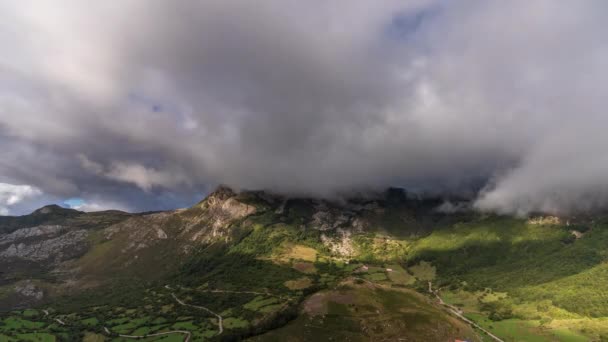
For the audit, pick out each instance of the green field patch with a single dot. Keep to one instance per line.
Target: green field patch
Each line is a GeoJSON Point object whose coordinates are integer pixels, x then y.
{"type": "Point", "coordinates": [131, 325]}
{"type": "Point", "coordinates": [124, 328]}
{"type": "Point", "coordinates": [141, 331]}
{"type": "Point", "coordinates": [375, 276]}
{"type": "Point", "coordinates": [467, 301]}
{"type": "Point", "coordinates": [203, 335]}
{"type": "Point", "coordinates": [568, 335]}
{"type": "Point", "coordinates": [512, 329]}
{"type": "Point", "coordinates": [259, 302]}
{"type": "Point", "coordinates": [157, 328]}
{"type": "Point", "coordinates": [159, 320]}
{"type": "Point", "coordinates": [36, 337]}
{"type": "Point", "coordinates": [118, 321]}
{"type": "Point", "coordinates": [14, 322]}
{"type": "Point", "coordinates": [351, 267]}
{"type": "Point", "coordinates": [188, 325]}
{"type": "Point", "coordinates": [235, 323]}
{"type": "Point", "coordinates": [30, 313]}
{"type": "Point", "coordinates": [399, 275]}
{"type": "Point", "coordinates": [56, 327]}
{"type": "Point", "coordinates": [341, 264]}
{"type": "Point", "coordinates": [424, 271]}
{"type": "Point", "coordinates": [375, 269]}
{"type": "Point", "coordinates": [271, 308]}
{"type": "Point", "coordinates": [93, 321]}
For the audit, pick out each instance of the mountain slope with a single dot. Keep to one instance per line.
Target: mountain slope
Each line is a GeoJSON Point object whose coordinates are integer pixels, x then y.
{"type": "Point", "coordinates": [240, 265]}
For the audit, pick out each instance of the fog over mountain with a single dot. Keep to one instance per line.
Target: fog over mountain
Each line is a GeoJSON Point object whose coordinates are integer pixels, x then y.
{"type": "Point", "coordinates": [143, 105]}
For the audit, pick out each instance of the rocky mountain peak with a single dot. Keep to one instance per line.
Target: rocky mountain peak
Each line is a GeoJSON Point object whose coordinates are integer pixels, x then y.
{"type": "Point", "coordinates": [221, 194]}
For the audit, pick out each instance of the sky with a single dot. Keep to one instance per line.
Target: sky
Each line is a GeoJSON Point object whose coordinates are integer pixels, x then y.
{"type": "Point", "coordinates": [148, 104]}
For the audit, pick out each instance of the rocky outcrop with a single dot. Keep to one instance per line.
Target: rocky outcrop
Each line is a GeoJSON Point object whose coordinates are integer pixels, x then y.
{"type": "Point", "coordinates": [218, 211]}
{"type": "Point", "coordinates": [141, 231]}
{"type": "Point", "coordinates": [230, 210]}
{"type": "Point", "coordinates": [341, 244]}
{"type": "Point", "coordinates": [29, 290]}
{"type": "Point", "coordinates": [161, 234]}
{"type": "Point", "coordinates": [544, 220]}
{"type": "Point", "coordinates": [31, 233]}
{"type": "Point", "coordinates": [349, 216]}
{"type": "Point", "coordinates": [327, 218]}
{"type": "Point", "coordinates": [209, 220]}
{"type": "Point", "coordinates": [222, 207]}
{"type": "Point", "coordinates": [54, 249]}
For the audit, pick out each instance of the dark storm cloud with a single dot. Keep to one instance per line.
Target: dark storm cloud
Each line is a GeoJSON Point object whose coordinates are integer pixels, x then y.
{"type": "Point", "coordinates": [148, 104]}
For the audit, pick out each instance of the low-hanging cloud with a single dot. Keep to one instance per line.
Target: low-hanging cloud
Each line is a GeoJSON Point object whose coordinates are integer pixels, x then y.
{"type": "Point", "coordinates": [154, 102]}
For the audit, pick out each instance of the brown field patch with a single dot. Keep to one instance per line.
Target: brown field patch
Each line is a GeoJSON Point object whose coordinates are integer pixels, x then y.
{"type": "Point", "coordinates": [305, 267]}
{"type": "Point", "coordinates": [298, 252]}
{"type": "Point", "coordinates": [316, 305]}
{"type": "Point", "coordinates": [298, 284]}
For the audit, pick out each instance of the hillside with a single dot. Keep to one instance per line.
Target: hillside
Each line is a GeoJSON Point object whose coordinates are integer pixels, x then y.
{"type": "Point", "coordinates": [260, 266]}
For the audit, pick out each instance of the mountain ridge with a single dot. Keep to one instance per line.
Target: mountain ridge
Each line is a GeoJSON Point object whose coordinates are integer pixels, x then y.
{"type": "Point", "coordinates": [303, 257]}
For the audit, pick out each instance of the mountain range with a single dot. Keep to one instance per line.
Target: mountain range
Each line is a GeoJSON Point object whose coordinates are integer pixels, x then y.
{"type": "Point", "coordinates": [263, 267]}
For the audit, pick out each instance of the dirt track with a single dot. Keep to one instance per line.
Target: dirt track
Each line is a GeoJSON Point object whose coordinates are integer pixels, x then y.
{"type": "Point", "coordinates": [458, 313]}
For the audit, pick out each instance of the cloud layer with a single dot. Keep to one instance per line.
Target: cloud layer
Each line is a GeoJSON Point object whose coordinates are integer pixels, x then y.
{"type": "Point", "coordinates": [149, 104]}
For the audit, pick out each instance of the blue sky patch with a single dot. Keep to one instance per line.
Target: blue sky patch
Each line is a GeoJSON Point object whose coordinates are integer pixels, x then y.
{"type": "Point", "coordinates": [74, 202]}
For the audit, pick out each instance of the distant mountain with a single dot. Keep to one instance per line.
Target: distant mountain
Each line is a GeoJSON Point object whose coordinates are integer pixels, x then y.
{"type": "Point", "coordinates": [54, 209]}
{"type": "Point", "coordinates": [270, 268]}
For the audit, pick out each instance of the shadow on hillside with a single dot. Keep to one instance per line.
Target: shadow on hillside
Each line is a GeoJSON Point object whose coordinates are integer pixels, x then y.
{"type": "Point", "coordinates": [217, 269]}
{"type": "Point", "coordinates": [507, 265]}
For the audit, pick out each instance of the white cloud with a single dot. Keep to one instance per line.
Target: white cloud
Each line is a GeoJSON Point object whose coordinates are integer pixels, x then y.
{"type": "Point", "coordinates": [11, 195]}
{"type": "Point", "coordinates": [144, 178]}
{"type": "Point", "coordinates": [139, 175]}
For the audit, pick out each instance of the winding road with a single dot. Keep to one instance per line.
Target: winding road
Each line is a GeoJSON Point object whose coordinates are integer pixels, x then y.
{"type": "Point", "coordinates": [46, 313]}
{"type": "Point", "coordinates": [183, 332]}
{"type": "Point", "coordinates": [219, 318]}
{"type": "Point", "coordinates": [458, 313]}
